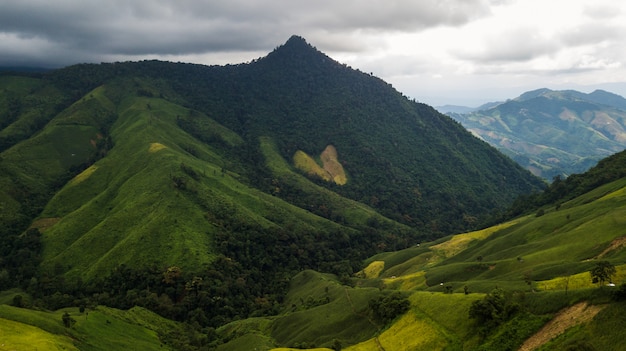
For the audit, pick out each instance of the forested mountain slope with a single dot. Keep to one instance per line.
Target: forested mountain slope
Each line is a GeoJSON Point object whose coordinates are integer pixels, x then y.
{"type": "Point", "coordinates": [185, 188]}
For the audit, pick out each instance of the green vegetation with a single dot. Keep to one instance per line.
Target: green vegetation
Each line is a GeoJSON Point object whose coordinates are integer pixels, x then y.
{"type": "Point", "coordinates": [98, 329]}
{"type": "Point", "coordinates": [154, 187]}
{"type": "Point", "coordinates": [553, 133]}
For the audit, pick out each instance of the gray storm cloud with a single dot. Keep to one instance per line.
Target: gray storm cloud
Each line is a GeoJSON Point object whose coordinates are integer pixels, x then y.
{"type": "Point", "coordinates": [89, 30]}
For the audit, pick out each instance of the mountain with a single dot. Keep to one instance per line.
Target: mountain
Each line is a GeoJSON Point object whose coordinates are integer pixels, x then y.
{"type": "Point", "coordinates": [456, 109]}
{"type": "Point", "coordinates": [527, 281]}
{"type": "Point", "coordinates": [265, 205]}
{"type": "Point", "coordinates": [196, 191]}
{"type": "Point", "coordinates": [553, 133]}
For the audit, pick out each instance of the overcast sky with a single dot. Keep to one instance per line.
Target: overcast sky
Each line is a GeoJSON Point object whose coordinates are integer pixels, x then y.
{"type": "Point", "coordinates": [463, 52]}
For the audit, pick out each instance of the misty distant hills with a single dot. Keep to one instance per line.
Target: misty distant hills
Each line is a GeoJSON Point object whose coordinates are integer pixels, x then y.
{"type": "Point", "coordinates": [551, 133]}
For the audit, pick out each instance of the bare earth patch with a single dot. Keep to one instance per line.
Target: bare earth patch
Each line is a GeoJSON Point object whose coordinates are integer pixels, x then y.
{"type": "Point", "coordinates": [615, 244]}
{"type": "Point", "coordinates": [565, 319]}
{"type": "Point", "coordinates": [332, 165]}
{"type": "Point", "coordinates": [45, 223]}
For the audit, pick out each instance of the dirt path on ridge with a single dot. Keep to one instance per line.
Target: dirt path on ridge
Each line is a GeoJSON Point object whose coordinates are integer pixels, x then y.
{"type": "Point", "coordinates": [380, 346]}
{"type": "Point", "coordinates": [568, 317]}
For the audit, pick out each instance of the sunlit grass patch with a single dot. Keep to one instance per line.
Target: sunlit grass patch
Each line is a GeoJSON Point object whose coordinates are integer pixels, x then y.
{"type": "Point", "coordinates": [374, 269]}
{"type": "Point", "coordinates": [581, 280]}
{"type": "Point", "coordinates": [412, 332]}
{"type": "Point", "coordinates": [407, 282]}
{"type": "Point", "coordinates": [84, 175]}
{"type": "Point", "coordinates": [19, 336]}
{"type": "Point", "coordinates": [154, 147]}
{"type": "Point", "coordinates": [307, 164]}
{"type": "Point", "coordinates": [460, 242]}
{"type": "Point", "coordinates": [333, 166]}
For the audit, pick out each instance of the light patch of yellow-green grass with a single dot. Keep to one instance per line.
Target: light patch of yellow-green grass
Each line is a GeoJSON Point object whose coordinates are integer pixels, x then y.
{"type": "Point", "coordinates": [307, 164]}
{"type": "Point", "coordinates": [84, 175]}
{"type": "Point", "coordinates": [19, 336]}
{"type": "Point", "coordinates": [154, 147]}
{"type": "Point", "coordinates": [460, 242]}
{"type": "Point", "coordinates": [407, 282]}
{"type": "Point", "coordinates": [579, 281]}
{"type": "Point", "coordinates": [373, 270]}
{"type": "Point", "coordinates": [330, 171]}
{"type": "Point", "coordinates": [369, 345]}
{"type": "Point", "coordinates": [618, 193]}
{"type": "Point", "coordinates": [410, 332]}
{"type": "Point", "coordinates": [289, 349]}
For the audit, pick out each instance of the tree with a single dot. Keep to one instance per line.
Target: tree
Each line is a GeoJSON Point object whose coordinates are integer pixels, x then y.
{"type": "Point", "coordinates": [602, 272]}
{"type": "Point", "coordinates": [18, 301]}
{"type": "Point", "coordinates": [336, 345]}
{"type": "Point", "coordinates": [493, 310]}
{"type": "Point", "coordinates": [68, 321]}
{"type": "Point", "coordinates": [387, 307]}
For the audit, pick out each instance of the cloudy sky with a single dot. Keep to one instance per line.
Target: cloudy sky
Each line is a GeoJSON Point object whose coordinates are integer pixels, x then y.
{"type": "Point", "coordinates": [463, 52]}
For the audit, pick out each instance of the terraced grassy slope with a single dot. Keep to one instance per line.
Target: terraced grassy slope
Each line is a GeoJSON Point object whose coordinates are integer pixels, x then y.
{"type": "Point", "coordinates": [159, 196]}
{"type": "Point", "coordinates": [530, 257]}
{"type": "Point", "coordinates": [99, 329]}
{"type": "Point", "coordinates": [543, 261]}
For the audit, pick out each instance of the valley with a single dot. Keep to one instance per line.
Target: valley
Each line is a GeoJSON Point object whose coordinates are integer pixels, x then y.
{"type": "Point", "coordinates": [291, 202]}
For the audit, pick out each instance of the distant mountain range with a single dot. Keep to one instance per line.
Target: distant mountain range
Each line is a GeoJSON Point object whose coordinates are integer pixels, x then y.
{"type": "Point", "coordinates": [551, 133]}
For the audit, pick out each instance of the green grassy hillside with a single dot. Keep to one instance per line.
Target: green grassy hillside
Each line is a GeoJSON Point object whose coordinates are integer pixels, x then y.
{"type": "Point", "coordinates": [541, 263]}
{"type": "Point", "coordinates": [172, 187]}
{"type": "Point", "coordinates": [160, 197]}
{"type": "Point", "coordinates": [99, 329]}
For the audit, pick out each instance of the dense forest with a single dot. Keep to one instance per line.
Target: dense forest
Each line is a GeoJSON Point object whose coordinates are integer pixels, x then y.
{"type": "Point", "coordinates": [413, 175]}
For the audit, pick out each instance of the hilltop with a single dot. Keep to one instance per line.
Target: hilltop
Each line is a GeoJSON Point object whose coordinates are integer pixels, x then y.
{"type": "Point", "coordinates": [552, 133]}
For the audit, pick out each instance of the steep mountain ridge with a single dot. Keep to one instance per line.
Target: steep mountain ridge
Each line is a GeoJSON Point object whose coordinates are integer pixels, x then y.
{"type": "Point", "coordinates": [173, 185]}
{"type": "Point", "coordinates": [307, 101]}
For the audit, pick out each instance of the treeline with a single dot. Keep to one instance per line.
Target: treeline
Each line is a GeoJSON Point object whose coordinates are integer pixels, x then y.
{"type": "Point", "coordinates": [561, 190]}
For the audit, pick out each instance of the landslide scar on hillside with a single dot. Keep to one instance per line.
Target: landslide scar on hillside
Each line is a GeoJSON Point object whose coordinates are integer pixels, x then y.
{"type": "Point", "coordinates": [331, 169]}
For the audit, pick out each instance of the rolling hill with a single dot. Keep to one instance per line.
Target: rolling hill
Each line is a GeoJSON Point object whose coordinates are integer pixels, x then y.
{"type": "Point", "coordinates": [541, 264]}
{"type": "Point", "coordinates": [103, 157]}
{"type": "Point", "coordinates": [538, 267]}
{"type": "Point", "coordinates": [178, 187]}
{"type": "Point", "coordinates": [553, 133]}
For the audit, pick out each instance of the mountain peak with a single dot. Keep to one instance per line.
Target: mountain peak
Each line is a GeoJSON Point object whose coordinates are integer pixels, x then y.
{"type": "Point", "coordinates": [296, 51]}
{"type": "Point", "coordinates": [296, 40]}
{"type": "Point", "coordinates": [533, 94]}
